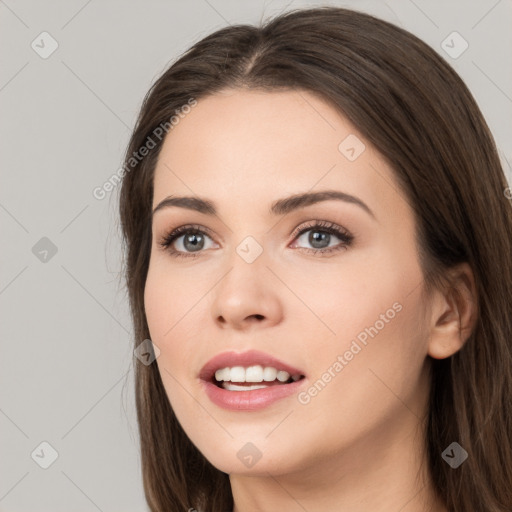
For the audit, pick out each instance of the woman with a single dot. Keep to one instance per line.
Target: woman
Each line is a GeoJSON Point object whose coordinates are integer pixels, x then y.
{"type": "Point", "coordinates": [318, 245]}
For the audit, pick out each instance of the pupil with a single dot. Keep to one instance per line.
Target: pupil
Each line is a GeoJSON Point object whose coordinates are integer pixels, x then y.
{"type": "Point", "coordinates": [317, 236]}
{"type": "Point", "coordinates": [193, 241]}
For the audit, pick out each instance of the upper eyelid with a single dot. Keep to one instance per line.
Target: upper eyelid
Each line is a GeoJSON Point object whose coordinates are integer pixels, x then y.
{"type": "Point", "coordinates": [309, 224]}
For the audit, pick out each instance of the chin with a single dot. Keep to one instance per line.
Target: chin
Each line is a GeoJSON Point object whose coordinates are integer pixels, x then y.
{"type": "Point", "coordinates": [258, 457]}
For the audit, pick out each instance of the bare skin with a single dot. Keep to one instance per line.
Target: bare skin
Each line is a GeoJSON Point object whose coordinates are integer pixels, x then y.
{"type": "Point", "coordinates": [355, 445]}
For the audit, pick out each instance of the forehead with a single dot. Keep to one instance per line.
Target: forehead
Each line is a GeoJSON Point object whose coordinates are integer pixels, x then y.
{"type": "Point", "coordinates": [247, 128]}
{"type": "Point", "coordinates": [249, 144]}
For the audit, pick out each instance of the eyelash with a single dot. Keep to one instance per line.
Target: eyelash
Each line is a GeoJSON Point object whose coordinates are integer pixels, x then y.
{"type": "Point", "coordinates": [322, 226]}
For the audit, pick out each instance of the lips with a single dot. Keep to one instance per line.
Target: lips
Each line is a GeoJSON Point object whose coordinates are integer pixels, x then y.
{"type": "Point", "coordinates": [245, 359]}
{"type": "Point", "coordinates": [246, 396]}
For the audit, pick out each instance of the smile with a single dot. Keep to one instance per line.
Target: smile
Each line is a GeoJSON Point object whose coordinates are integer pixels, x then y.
{"type": "Point", "coordinates": [248, 381]}
{"type": "Point", "coordinates": [239, 378]}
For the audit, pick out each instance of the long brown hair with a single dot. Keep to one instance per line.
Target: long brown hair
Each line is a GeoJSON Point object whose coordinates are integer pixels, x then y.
{"type": "Point", "coordinates": [413, 107]}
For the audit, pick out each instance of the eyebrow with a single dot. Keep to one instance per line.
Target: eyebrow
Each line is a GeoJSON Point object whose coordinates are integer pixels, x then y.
{"type": "Point", "coordinates": [279, 207]}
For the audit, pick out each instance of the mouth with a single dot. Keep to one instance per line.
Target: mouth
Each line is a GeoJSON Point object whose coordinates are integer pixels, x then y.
{"type": "Point", "coordinates": [239, 378]}
{"type": "Point", "coordinates": [249, 380]}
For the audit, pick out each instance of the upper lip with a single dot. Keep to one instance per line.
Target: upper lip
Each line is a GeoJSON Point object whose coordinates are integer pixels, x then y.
{"type": "Point", "coordinates": [245, 359]}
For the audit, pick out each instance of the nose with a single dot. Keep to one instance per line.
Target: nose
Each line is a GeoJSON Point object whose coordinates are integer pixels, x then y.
{"type": "Point", "coordinates": [247, 297]}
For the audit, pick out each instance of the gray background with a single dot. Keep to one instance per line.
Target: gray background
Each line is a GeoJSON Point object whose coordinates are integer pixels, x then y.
{"type": "Point", "coordinates": [66, 362]}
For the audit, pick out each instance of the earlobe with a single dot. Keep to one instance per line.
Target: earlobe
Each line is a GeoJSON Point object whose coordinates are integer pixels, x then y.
{"type": "Point", "coordinates": [454, 314]}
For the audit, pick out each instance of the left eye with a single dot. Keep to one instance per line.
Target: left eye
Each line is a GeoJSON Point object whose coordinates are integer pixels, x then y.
{"type": "Point", "coordinates": [320, 237]}
{"type": "Point", "coordinates": [317, 238]}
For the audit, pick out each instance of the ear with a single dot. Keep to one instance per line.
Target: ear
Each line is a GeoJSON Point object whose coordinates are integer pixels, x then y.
{"type": "Point", "coordinates": [454, 313]}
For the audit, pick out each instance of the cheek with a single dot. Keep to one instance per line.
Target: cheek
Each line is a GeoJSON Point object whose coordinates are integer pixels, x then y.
{"type": "Point", "coordinates": [370, 376]}
{"type": "Point", "coordinates": [338, 302]}
{"type": "Point", "coordinates": [371, 313]}
{"type": "Point", "coordinates": [171, 301]}
{"type": "Point", "coordinates": [176, 309]}
{"type": "Point", "coordinates": [163, 313]}
{"type": "Point", "coordinates": [166, 314]}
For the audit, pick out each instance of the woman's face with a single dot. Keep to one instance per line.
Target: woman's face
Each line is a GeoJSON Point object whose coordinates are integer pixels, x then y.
{"type": "Point", "coordinates": [343, 311]}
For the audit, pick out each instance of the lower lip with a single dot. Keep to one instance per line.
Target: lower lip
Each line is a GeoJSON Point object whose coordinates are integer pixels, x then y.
{"type": "Point", "coordinates": [252, 400]}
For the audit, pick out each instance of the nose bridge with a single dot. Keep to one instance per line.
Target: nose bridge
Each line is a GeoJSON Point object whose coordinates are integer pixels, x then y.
{"type": "Point", "coordinates": [246, 292]}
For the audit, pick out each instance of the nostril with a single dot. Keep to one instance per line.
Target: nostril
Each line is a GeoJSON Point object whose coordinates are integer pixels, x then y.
{"type": "Point", "coordinates": [256, 316]}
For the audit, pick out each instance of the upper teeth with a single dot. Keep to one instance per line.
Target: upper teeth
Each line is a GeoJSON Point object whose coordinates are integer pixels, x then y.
{"type": "Point", "coordinates": [252, 374]}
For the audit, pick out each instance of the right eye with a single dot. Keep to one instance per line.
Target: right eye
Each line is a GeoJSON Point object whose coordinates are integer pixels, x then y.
{"type": "Point", "coordinates": [185, 241]}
